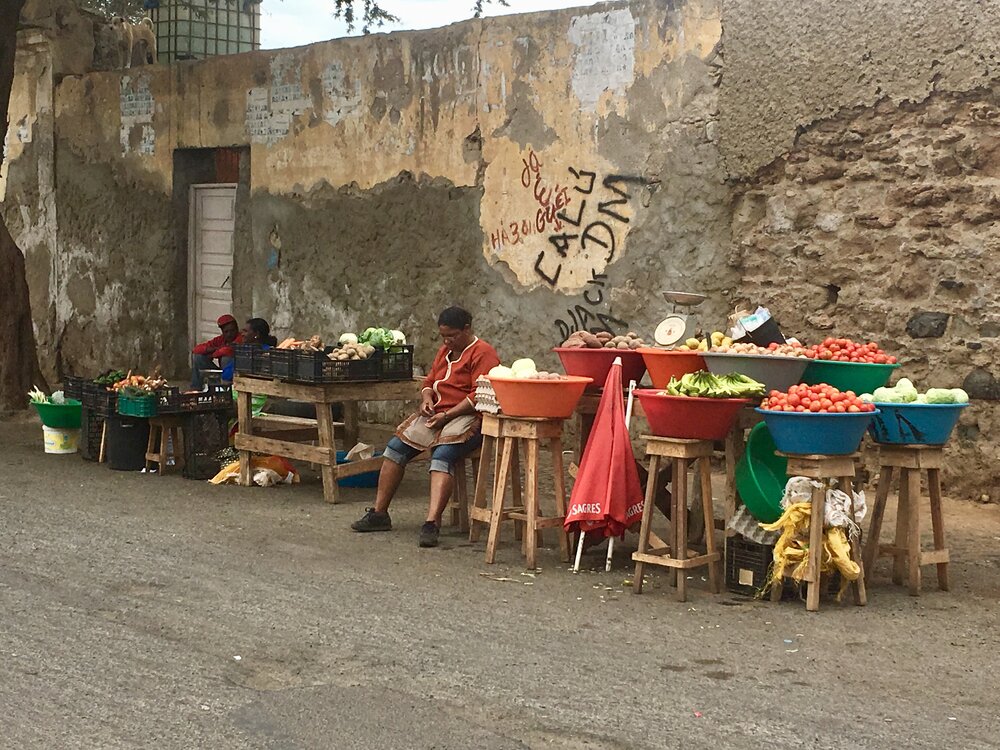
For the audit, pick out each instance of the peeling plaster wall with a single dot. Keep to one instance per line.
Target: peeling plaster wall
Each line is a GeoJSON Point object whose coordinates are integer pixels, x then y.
{"type": "Point", "coordinates": [550, 171]}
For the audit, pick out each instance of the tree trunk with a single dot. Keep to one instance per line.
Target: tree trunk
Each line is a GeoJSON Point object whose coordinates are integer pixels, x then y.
{"type": "Point", "coordinates": [18, 356]}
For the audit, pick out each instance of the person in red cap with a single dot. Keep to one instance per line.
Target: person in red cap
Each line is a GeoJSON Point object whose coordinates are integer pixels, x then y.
{"type": "Point", "coordinates": [217, 353]}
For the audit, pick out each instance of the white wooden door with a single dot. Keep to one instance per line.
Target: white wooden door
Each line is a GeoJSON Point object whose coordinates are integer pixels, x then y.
{"type": "Point", "coordinates": [210, 277]}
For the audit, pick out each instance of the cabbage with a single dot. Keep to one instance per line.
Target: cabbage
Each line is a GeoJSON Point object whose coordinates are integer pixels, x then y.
{"type": "Point", "coordinates": [398, 338]}
{"type": "Point", "coordinates": [380, 338]}
{"type": "Point", "coordinates": [500, 372]}
{"type": "Point", "coordinates": [348, 338]}
{"type": "Point", "coordinates": [940, 396]}
{"type": "Point", "coordinates": [867, 398]}
{"type": "Point", "coordinates": [523, 368]}
{"type": "Point", "coordinates": [961, 397]}
{"type": "Point", "coordinates": [58, 398]}
{"type": "Point", "coordinates": [906, 390]}
{"type": "Point", "coordinates": [888, 396]}
{"type": "Point", "coordinates": [922, 398]}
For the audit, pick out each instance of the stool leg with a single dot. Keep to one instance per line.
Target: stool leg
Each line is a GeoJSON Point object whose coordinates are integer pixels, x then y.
{"type": "Point", "coordinates": [499, 490]}
{"type": "Point", "coordinates": [937, 522]}
{"type": "Point", "coordinates": [647, 517]}
{"type": "Point", "coordinates": [531, 502]}
{"type": "Point", "coordinates": [555, 445]}
{"type": "Point", "coordinates": [902, 527]}
{"type": "Point", "coordinates": [460, 506]}
{"type": "Point", "coordinates": [913, 533]}
{"type": "Point", "coordinates": [878, 512]}
{"type": "Point", "coordinates": [813, 575]}
{"type": "Point", "coordinates": [708, 511]}
{"type": "Point", "coordinates": [858, 586]}
{"type": "Point", "coordinates": [479, 500]}
{"type": "Point", "coordinates": [680, 524]}
{"type": "Point", "coordinates": [150, 445]}
{"type": "Point", "coordinates": [515, 489]}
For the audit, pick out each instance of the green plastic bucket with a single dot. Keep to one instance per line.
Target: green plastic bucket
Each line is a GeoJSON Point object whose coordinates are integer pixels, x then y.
{"type": "Point", "coordinates": [60, 416]}
{"type": "Point", "coordinates": [761, 476]}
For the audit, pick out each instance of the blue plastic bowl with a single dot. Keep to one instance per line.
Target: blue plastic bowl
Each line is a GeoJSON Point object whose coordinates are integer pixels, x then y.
{"type": "Point", "coordinates": [366, 481]}
{"type": "Point", "coordinates": [915, 424]}
{"type": "Point", "coordinates": [804, 434]}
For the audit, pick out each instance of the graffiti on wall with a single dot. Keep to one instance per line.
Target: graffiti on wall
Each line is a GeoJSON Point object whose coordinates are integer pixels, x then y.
{"type": "Point", "coordinates": [557, 219]}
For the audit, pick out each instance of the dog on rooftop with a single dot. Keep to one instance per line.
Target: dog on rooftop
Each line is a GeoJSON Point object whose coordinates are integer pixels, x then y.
{"type": "Point", "coordinates": [131, 38]}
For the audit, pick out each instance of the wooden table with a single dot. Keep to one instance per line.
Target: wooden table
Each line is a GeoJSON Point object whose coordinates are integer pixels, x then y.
{"type": "Point", "coordinates": [285, 436]}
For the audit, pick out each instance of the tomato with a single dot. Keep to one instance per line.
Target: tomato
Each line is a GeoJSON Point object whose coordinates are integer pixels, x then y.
{"type": "Point", "coordinates": [853, 409]}
{"type": "Point", "coordinates": [794, 400]}
{"type": "Point", "coordinates": [839, 408]}
{"type": "Point", "coordinates": [814, 406]}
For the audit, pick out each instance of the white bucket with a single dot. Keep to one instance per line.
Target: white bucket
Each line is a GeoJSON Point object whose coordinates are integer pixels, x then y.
{"type": "Point", "coordinates": [60, 441]}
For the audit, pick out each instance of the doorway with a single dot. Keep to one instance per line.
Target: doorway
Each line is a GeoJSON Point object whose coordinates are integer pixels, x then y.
{"type": "Point", "coordinates": [212, 225]}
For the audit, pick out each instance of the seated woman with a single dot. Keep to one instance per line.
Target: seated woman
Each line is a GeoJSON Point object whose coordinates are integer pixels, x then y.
{"type": "Point", "coordinates": [256, 332]}
{"type": "Point", "coordinates": [447, 424]}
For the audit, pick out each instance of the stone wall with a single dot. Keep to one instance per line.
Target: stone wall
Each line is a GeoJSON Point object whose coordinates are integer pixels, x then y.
{"type": "Point", "coordinates": [549, 171]}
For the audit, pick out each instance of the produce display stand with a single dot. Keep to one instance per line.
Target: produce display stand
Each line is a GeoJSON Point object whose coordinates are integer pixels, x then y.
{"type": "Point", "coordinates": [286, 436]}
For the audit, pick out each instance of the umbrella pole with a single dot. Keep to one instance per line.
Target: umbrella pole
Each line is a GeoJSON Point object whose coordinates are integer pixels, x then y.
{"type": "Point", "coordinates": [579, 552]}
{"type": "Point", "coordinates": [611, 551]}
{"type": "Point", "coordinates": [628, 420]}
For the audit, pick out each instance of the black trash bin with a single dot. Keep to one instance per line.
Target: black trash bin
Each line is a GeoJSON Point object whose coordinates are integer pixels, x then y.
{"type": "Point", "coordinates": [126, 443]}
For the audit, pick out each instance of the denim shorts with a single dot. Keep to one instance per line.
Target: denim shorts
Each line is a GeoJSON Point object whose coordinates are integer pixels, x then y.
{"type": "Point", "coordinates": [443, 457]}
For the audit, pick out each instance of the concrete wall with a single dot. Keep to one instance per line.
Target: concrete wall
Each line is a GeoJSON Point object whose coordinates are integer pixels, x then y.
{"type": "Point", "coordinates": [549, 171]}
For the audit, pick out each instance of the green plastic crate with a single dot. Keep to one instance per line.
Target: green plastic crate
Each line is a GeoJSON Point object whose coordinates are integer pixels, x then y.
{"type": "Point", "coordinates": [143, 406]}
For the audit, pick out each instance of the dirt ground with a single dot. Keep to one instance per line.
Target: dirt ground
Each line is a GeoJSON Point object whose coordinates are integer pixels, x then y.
{"type": "Point", "coordinates": [153, 612]}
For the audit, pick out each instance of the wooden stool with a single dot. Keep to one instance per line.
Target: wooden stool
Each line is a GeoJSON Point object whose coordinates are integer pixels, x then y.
{"type": "Point", "coordinates": [911, 461]}
{"type": "Point", "coordinates": [460, 494]}
{"type": "Point", "coordinates": [164, 432]}
{"type": "Point", "coordinates": [501, 438]}
{"type": "Point", "coordinates": [841, 468]}
{"type": "Point", "coordinates": [684, 455]}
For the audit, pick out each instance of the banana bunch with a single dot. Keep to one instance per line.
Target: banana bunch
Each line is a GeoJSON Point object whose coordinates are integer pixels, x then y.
{"type": "Point", "coordinates": [718, 338]}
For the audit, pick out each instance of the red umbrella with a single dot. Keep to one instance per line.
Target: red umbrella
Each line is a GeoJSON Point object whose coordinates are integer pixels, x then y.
{"type": "Point", "coordinates": [607, 497]}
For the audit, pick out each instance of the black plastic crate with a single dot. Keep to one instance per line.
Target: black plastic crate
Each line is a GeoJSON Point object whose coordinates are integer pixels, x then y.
{"type": "Point", "coordinates": [243, 358]}
{"type": "Point", "coordinates": [91, 432]}
{"type": "Point", "coordinates": [206, 433]}
{"type": "Point", "coordinates": [73, 387]}
{"type": "Point", "coordinates": [747, 565]}
{"type": "Point", "coordinates": [214, 398]}
{"type": "Point", "coordinates": [317, 367]}
{"type": "Point", "coordinates": [282, 363]}
{"type": "Point", "coordinates": [397, 363]}
{"type": "Point", "coordinates": [100, 400]}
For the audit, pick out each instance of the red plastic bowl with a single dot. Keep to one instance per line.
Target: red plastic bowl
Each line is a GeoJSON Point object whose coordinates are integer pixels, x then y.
{"type": "Point", "coordinates": [555, 399]}
{"type": "Point", "coordinates": [664, 364]}
{"type": "Point", "coordinates": [688, 417]}
{"type": "Point", "coordinates": [596, 363]}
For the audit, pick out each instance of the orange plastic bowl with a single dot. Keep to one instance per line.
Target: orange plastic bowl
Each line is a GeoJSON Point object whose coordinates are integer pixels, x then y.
{"type": "Point", "coordinates": [555, 399]}
{"type": "Point", "coordinates": [664, 364]}
{"type": "Point", "coordinates": [688, 417]}
{"type": "Point", "coordinates": [596, 363]}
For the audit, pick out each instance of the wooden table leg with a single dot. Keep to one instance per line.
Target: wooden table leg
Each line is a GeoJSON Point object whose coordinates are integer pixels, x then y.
{"type": "Point", "coordinates": [531, 502]}
{"type": "Point", "coordinates": [559, 482]}
{"type": "Point", "coordinates": [813, 575]}
{"type": "Point", "coordinates": [858, 586]}
{"type": "Point", "coordinates": [515, 488]}
{"type": "Point", "coordinates": [327, 439]}
{"type": "Point", "coordinates": [902, 527]}
{"type": "Point", "coordinates": [179, 447]}
{"type": "Point", "coordinates": [878, 512]}
{"type": "Point", "coordinates": [482, 475]}
{"type": "Point", "coordinates": [499, 491]}
{"type": "Point", "coordinates": [647, 517]}
{"type": "Point", "coordinates": [705, 466]}
{"type": "Point", "coordinates": [913, 532]}
{"type": "Point", "coordinates": [244, 414]}
{"type": "Point", "coordinates": [150, 446]}
{"type": "Point", "coordinates": [679, 488]}
{"type": "Point", "coordinates": [732, 456]}
{"type": "Point", "coordinates": [352, 422]}
{"type": "Point", "coordinates": [937, 523]}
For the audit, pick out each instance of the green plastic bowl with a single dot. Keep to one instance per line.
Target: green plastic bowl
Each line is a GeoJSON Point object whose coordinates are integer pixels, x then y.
{"type": "Point", "coordinates": [761, 476]}
{"type": "Point", "coordinates": [859, 377]}
{"type": "Point", "coordinates": [60, 416]}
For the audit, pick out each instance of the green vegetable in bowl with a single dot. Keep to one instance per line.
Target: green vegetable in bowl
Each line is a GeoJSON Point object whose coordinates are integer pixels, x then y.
{"type": "Point", "coordinates": [904, 393]}
{"type": "Point", "coordinates": [704, 384]}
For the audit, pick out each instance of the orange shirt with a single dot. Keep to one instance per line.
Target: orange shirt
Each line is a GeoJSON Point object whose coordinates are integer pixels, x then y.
{"type": "Point", "coordinates": [453, 380]}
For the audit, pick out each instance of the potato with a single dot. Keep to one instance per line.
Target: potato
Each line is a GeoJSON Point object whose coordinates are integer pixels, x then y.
{"type": "Point", "coordinates": [623, 345]}
{"type": "Point", "coordinates": [604, 336]}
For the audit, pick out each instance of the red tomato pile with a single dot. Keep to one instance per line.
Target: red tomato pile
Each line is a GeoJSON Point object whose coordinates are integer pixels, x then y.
{"type": "Point", "coordinates": [845, 350]}
{"type": "Point", "coordinates": [818, 399]}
